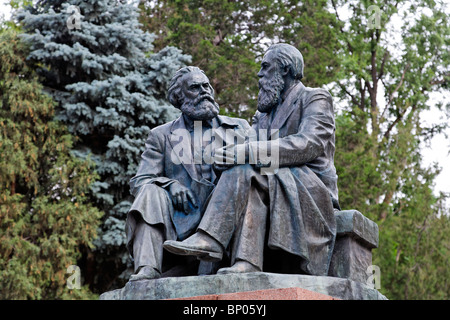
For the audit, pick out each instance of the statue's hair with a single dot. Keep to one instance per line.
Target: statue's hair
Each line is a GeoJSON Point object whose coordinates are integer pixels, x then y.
{"type": "Point", "coordinates": [174, 93]}
{"type": "Point", "coordinates": [289, 56]}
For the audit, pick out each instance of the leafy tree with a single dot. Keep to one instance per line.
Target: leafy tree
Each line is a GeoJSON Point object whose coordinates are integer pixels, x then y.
{"type": "Point", "coordinates": [224, 37]}
{"type": "Point", "coordinates": [111, 89]}
{"type": "Point", "coordinates": [384, 88]}
{"type": "Point", "coordinates": [45, 215]}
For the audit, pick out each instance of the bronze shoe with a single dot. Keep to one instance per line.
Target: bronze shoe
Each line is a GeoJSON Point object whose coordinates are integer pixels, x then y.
{"type": "Point", "coordinates": [239, 267]}
{"type": "Point", "coordinates": [199, 244]}
{"type": "Point", "coordinates": [145, 273]}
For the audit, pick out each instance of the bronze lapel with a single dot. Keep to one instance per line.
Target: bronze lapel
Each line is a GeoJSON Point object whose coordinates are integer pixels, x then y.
{"type": "Point", "coordinates": [180, 139]}
{"type": "Point", "coordinates": [286, 108]}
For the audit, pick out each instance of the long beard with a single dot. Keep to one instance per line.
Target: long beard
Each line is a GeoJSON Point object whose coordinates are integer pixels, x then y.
{"type": "Point", "coordinates": [202, 108]}
{"type": "Point", "coordinates": [270, 92]}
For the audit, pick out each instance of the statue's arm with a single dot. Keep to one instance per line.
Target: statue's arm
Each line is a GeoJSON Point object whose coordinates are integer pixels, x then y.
{"type": "Point", "coordinates": [315, 130]}
{"type": "Point", "coordinates": [151, 167]}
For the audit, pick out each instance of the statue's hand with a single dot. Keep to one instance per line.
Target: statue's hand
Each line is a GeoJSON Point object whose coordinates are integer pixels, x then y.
{"type": "Point", "coordinates": [180, 197]}
{"type": "Point", "coordinates": [219, 168]}
{"type": "Point", "coordinates": [230, 155]}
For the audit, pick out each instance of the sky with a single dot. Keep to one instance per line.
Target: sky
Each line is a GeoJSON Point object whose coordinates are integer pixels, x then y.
{"type": "Point", "coordinates": [4, 9]}
{"type": "Point", "coordinates": [439, 147]}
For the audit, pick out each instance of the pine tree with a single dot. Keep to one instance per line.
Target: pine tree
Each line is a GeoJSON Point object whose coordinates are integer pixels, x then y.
{"type": "Point", "coordinates": [111, 89]}
{"type": "Point", "coordinates": [45, 215]}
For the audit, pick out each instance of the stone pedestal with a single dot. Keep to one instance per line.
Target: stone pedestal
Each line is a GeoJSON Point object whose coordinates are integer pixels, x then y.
{"type": "Point", "coordinates": [347, 280]}
{"type": "Point", "coordinates": [267, 294]}
{"type": "Point", "coordinates": [241, 283]}
{"type": "Point", "coordinates": [356, 237]}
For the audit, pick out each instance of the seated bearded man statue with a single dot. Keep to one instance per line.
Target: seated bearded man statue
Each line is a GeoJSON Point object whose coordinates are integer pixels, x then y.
{"type": "Point", "coordinates": [174, 180]}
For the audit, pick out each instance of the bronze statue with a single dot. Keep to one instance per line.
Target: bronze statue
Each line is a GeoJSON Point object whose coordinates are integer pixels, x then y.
{"type": "Point", "coordinates": [174, 181]}
{"type": "Point", "coordinates": [290, 210]}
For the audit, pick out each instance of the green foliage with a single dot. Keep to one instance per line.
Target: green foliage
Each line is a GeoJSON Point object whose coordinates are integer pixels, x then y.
{"type": "Point", "coordinates": [111, 89]}
{"type": "Point", "coordinates": [45, 215]}
{"type": "Point", "coordinates": [224, 37]}
{"type": "Point", "coordinates": [110, 80]}
{"type": "Point", "coordinates": [359, 179]}
{"type": "Point", "coordinates": [414, 246]}
{"type": "Point", "coordinates": [383, 88]}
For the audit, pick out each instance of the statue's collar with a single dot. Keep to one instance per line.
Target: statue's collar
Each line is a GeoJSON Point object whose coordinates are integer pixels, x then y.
{"type": "Point", "coordinates": [189, 123]}
{"type": "Point", "coordinates": [285, 109]}
{"type": "Point", "coordinates": [288, 91]}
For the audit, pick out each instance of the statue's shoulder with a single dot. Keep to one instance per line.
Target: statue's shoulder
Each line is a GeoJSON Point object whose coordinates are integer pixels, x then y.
{"type": "Point", "coordinates": [311, 94]}
{"type": "Point", "coordinates": [164, 127]}
{"type": "Point", "coordinates": [162, 130]}
{"type": "Point", "coordinates": [317, 91]}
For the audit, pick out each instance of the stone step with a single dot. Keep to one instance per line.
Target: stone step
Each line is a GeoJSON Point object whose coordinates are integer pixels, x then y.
{"type": "Point", "coordinates": [183, 287]}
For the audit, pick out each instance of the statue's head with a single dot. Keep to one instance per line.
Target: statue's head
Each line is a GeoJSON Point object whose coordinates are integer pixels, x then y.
{"type": "Point", "coordinates": [281, 64]}
{"type": "Point", "coordinates": [191, 92]}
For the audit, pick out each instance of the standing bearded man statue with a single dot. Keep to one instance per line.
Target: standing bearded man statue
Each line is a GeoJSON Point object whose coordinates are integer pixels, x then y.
{"type": "Point", "coordinates": [174, 180]}
{"type": "Point", "coordinates": [291, 210]}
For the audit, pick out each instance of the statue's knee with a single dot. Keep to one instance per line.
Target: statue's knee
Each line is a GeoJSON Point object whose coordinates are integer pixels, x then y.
{"type": "Point", "coordinates": [154, 190]}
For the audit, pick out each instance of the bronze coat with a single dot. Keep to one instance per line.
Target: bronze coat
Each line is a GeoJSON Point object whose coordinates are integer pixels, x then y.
{"type": "Point", "coordinates": [157, 168]}
{"type": "Point", "coordinates": [303, 192]}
